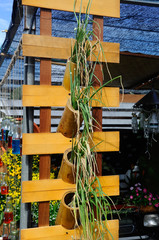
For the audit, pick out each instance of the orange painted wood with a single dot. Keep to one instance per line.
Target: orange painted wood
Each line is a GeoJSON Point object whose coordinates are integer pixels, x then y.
{"type": "Point", "coordinates": [131, 98]}
{"type": "Point", "coordinates": [60, 48]}
{"type": "Point", "coordinates": [109, 8]}
{"type": "Point", "coordinates": [54, 143]}
{"type": "Point", "coordinates": [53, 189]}
{"type": "Point", "coordinates": [45, 113]}
{"type": "Point", "coordinates": [57, 96]}
{"type": "Point", "coordinates": [60, 233]}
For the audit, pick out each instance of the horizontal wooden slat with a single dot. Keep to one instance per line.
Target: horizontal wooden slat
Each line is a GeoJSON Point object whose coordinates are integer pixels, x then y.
{"type": "Point", "coordinates": [109, 8]}
{"type": "Point", "coordinates": [54, 143]}
{"type": "Point", "coordinates": [131, 98]}
{"type": "Point", "coordinates": [54, 96]}
{"type": "Point", "coordinates": [53, 189]}
{"type": "Point", "coordinates": [60, 48]}
{"type": "Point", "coordinates": [60, 233]}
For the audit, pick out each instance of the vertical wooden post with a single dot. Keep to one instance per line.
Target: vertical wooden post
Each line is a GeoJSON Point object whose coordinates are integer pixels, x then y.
{"type": "Point", "coordinates": [97, 112]}
{"type": "Point", "coordinates": [45, 113]}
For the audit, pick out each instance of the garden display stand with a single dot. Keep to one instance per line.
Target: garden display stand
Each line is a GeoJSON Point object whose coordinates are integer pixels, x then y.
{"type": "Point", "coordinates": [46, 96]}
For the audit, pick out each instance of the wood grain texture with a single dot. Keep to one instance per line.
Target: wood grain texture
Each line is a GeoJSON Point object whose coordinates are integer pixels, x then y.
{"type": "Point", "coordinates": [57, 96]}
{"type": "Point", "coordinates": [55, 143]}
{"type": "Point", "coordinates": [53, 189]}
{"type": "Point", "coordinates": [131, 98]}
{"type": "Point", "coordinates": [97, 81]}
{"type": "Point", "coordinates": [109, 8]}
{"type": "Point", "coordinates": [60, 48]}
{"type": "Point", "coordinates": [60, 233]}
{"type": "Point", "coordinates": [45, 114]}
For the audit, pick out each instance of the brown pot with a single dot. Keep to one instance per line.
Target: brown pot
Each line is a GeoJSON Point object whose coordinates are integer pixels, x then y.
{"type": "Point", "coordinates": [65, 216]}
{"type": "Point", "coordinates": [68, 124]}
{"type": "Point", "coordinates": [147, 209]}
{"type": "Point", "coordinates": [69, 71]}
{"type": "Point", "coordinates": [1, 229]}
{"type": "Point", "coordinates": [67, 170]}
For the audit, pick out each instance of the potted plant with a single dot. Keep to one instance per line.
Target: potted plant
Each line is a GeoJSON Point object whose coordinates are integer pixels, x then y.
{"type": "Point", "coordinates": [141, 197]}
{"type": "Point", "coordinates": [81, 74]}
{"type": "Point", "coordinates": [88, 205]}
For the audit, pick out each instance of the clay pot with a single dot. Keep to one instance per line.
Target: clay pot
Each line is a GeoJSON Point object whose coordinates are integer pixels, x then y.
{"type": "Point", "coordinates": [65, 216]}
{"type": "Point", "coordinates": [69, 71]}
{"type": "Point", "coordinates": [68, 124]}
{"type": "Point", "coordinates": [66, 171]}
{"type": "Point", "coordinates": [147, 209]}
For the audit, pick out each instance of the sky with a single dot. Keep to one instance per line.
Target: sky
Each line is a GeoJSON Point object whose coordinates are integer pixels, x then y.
{"type": "Point", "coordinates": [5, 17]}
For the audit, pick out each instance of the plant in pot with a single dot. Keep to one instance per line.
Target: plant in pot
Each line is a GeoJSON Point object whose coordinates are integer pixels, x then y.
{"type": "Point", "coordinates": [88, 205]}
{"type": "Point", "coordinates": [81, 75]}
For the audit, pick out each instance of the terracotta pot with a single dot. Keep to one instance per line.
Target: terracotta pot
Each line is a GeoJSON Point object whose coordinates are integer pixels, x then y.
{"type": "Point", "coordinates": [67, 170]}
{"type": "Point", "coordinates": [69, 71]}
{"type": "Point", "coordinates": [147, 209]}
{"type": "Point", "coordinates": [65, 216]}
{"type": "Point", "coordinates": [68, 124]}
{"type": "Point", "coordinates": [1, 229]}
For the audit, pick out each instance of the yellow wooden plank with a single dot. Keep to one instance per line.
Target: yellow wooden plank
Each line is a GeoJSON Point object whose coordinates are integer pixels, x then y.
{"type": "Point", "coordinates": [57, 96]}
{"type": "Point", "coordinates": [60, 233]}
{"type": "Point", "coordinates": [54, 189]}
{"type": "Point", "coordinates": [54, 143]}
{"type": "Point", "coordinates": [131, 98]}
{"type": "Point", "coordinates": [109, 8]}
{"type": "Point", "coordinates": [60, 48]}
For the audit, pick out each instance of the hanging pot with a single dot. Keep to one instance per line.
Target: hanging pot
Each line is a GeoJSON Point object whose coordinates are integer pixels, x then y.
{"type": "Point", "coordinates": [69, 74]}
{"type": "Point", "coordinates": [66, 216]}
{"type": "Point", "coordinates": [68, 124]}
{"type": "Point", "coordinates": [67, 169]}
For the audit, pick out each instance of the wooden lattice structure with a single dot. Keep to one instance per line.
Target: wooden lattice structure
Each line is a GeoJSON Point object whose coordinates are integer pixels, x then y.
{"type": "Point", "coordinates": [46, 96]}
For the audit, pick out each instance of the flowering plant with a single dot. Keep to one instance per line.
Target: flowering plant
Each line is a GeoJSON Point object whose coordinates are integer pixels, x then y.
{"type": "Point", "coordinates": [140, 196]}
{"type": "Point", "coordinates": [13, 164]}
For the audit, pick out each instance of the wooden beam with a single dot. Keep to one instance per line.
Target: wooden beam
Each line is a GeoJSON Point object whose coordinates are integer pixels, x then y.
{"type": "Point", "coordinates": [60, 233]}
{"type": "Point", "coordinates": [131, 98]}
{"type": "Point", "coordinates": [54, 189]}
{"type": "Point", "coordinates": [109, 8]}
{"type": "Point", "coordinates": [97, 81]}
{"type": "Point", "coordinates": [54, 143]}
{"type": "Point", "coordinates": [57, 96]}
{"type": "Point", "coordinates": [60, 48]}
{"type": "Point", "coordinates": [45, 113]}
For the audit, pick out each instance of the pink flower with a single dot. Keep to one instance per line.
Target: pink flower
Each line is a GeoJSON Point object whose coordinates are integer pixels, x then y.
{"type": "Point", "coordinates": [149, 199]}
{"type": "Point", "coordinates": [150, 195]}
{"type": "Point", "coordinates": [145, 190]}
{"type": "Point", "coordinates": [150, 203]}
{"type": "Point", "coordinates": [136, 190]}
{"type": "Point", "coordinates": [131, 197]}
{"type": "Point", "coordinates": [145, 196]}
{"type": "Point", "coordinates": [157, 205]}
{"type": "Point", "coordinates": [137, 194]}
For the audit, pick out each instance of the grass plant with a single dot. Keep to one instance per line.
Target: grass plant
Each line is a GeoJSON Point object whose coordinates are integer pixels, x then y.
{"type": "Point", "coordinates": [92, 202]}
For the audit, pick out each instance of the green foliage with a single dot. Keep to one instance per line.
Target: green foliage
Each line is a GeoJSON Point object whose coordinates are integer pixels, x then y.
{"type": "Point", "coordinates": [92, 202]}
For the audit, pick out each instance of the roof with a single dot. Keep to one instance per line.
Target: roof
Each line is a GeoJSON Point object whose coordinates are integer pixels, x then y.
{"type": "Point", "coordinates": [138, 71]}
